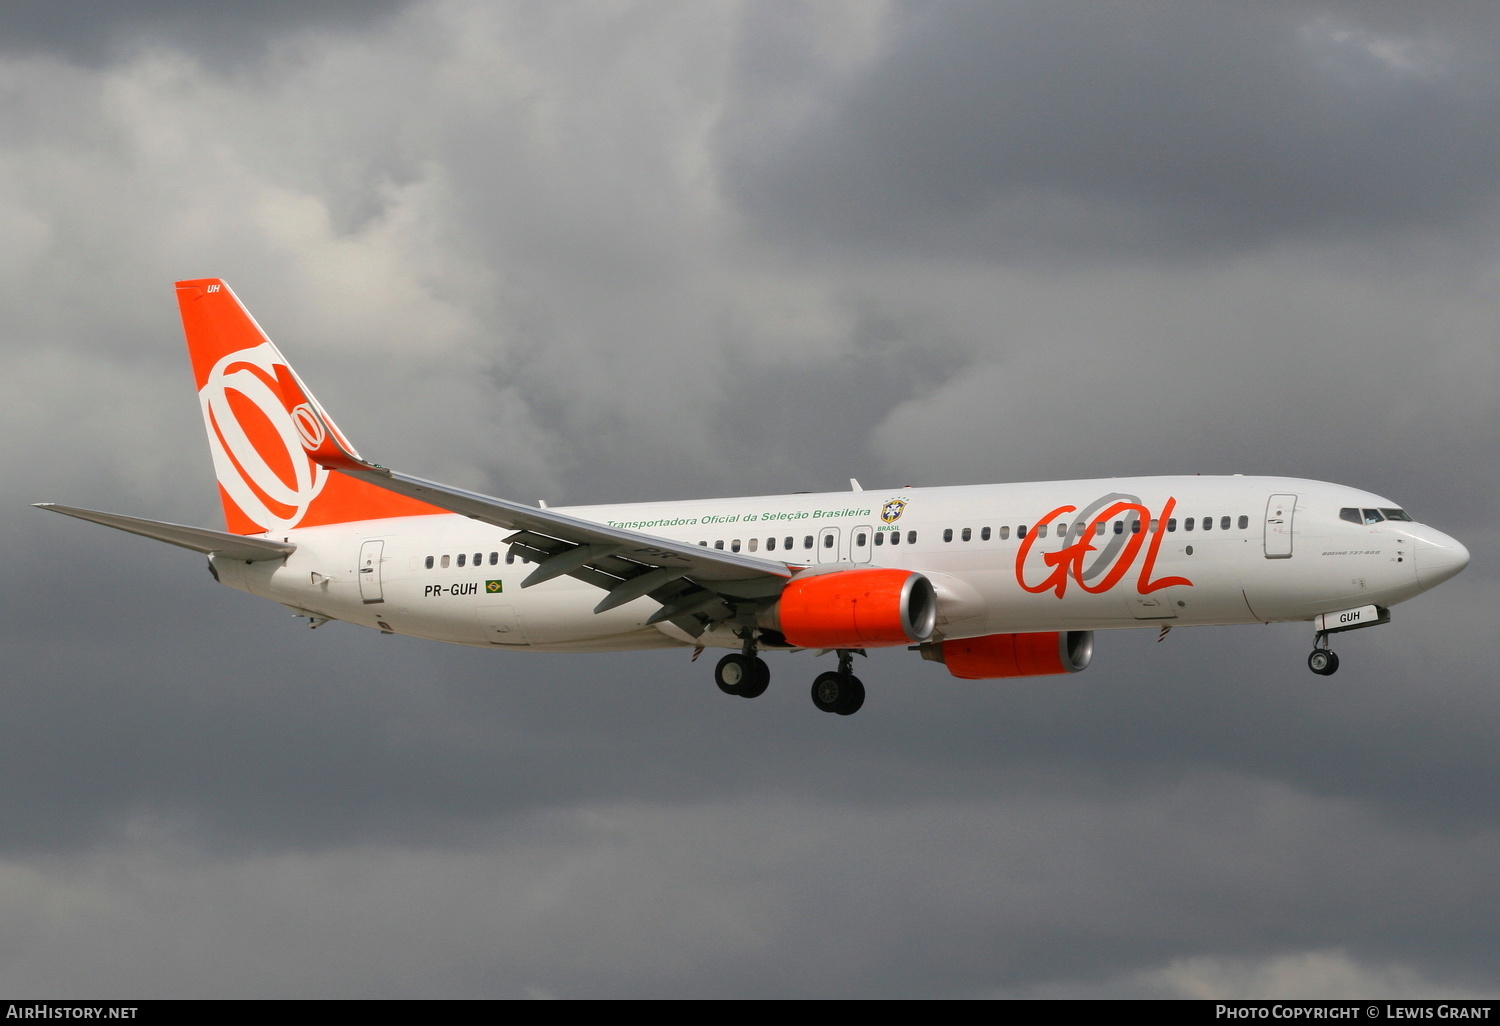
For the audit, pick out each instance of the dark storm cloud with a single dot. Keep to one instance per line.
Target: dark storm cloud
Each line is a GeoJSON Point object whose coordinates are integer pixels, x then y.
{"type": "Point", "coordinates": [95, 33]}
{"type": "Point", "coordinates": [497, 241]}
{"type": "Point", "coordinates": [1150, 127]}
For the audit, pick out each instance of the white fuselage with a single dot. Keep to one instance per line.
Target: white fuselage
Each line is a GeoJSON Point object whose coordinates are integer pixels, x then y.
{"type": "Point", "coordinates": [1049, 556]}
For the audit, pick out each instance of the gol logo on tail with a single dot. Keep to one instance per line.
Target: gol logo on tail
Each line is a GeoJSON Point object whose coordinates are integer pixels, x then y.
{"type": "Point", "coordinates": [260, 446]}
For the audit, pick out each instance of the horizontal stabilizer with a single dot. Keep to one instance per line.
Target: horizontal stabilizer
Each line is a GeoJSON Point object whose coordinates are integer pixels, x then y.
{"type": "Point", "coordinates": [199, 539]}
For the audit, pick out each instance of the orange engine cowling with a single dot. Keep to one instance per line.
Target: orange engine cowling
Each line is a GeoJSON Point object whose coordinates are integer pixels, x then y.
{"type": "Point", "coordinates": [855, 609]}
{"type": "Point", "coordinates": [995, 656]}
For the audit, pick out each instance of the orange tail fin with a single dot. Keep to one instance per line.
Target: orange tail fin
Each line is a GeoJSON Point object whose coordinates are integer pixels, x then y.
{"type": "Point", "coordinates": [262, 424]}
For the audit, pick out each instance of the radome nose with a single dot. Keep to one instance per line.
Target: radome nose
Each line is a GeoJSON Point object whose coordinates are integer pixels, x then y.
{"type": "Point", "coordinates": [1438, 557]}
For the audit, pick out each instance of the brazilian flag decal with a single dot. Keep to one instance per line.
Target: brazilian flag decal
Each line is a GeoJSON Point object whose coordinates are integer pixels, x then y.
{"type": "Point", "coordinates": [494, 587]}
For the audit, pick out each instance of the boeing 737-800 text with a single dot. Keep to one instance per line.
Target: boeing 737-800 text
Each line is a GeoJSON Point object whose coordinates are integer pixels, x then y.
{"type": "Point", "coordinates": [993, 581]}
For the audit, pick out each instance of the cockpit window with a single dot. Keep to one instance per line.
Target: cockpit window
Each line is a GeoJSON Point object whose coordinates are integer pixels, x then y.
{"type": "Point", "coordinates": [1351, 514]}
{"type": "Point", "coordinates": [1372, 516]}
{"type": "Point", "coordinates": [1397, 514]}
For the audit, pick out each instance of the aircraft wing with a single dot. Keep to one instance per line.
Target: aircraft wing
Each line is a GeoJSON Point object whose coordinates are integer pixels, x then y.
{"type": "Point", "coordinates": [687, 580]}
{"type": "Point", "coordinates": [199, 539]}
{"type": "Point", "coordinates": [695, 585]}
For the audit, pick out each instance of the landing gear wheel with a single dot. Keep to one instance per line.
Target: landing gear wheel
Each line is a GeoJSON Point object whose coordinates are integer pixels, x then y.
{"type": "Point", "coordinates": [851, 705]}
{"type": "Point", "coordinates": [1323, 662]}
{"type": "Point", "coordinates": [756, 685]}
{"type": "Point", "coordinates": [734, 673]}
{"type": "Point", "coordinates": [742, 675]}
{"type": "Point", "coordinates": [840, 693]}
{"type": "Point", "coordinates": [826, 692]}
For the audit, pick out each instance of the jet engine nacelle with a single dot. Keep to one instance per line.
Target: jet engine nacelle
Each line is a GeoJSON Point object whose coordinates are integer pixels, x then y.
{"type": "Point", "coordinates": [855, 609]}
{"type": "Point", "coordinates": [995, 656]}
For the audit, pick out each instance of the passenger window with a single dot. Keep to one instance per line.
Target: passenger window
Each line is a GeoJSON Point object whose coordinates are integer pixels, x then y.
{"type": "Point", "coordinates": [754, 544]}
{"type": "Point", "coordinates": [719, 544]}
{"type": "Point", "coordinates": [1223, 523]}
{"type": "Point", "coordinates": [1244, 522]}
{"type": "Point", "coordinates": [1187, 525]}
{"type": "Point", "coordinates": [911, 537]}
{"type": "Point", "coordinates": [788, 543]}
{"type": "Point", "coordinates": [1099, 529]}
{"type": "Point", "coordinates": [429, 562]}
{"type": "Point", "coordinates": [879, 538]}
{"type": "Point", "coordinates": [807, 541]}
{"type": "Point", "coordinates": [1372, 516]}
{"type": "Point", "coordinates": [734, 546]}
{"type": "Point", "coordinates": [896, 538]}
{"type": "Point", "coordinates": [967, 535]}
{"type": "Point", "coordinates": [444, 562]}
{"type": "Point", "coordinates": [1021, 531]}
{"type": "Point", "coordinates": [828, 541]}
{"type": "Point", "coordinates": [704, 544]}
{"type": "Point", "coordinates": [947, 534]}
{"type": "Point", "coordinates": [1155, 527]}
{"type": "Point", "coordinates": [1208, 523]}
{"type": "Point", "coordinates": [510, 557]}
{"type": "Point", "coordinates": [984, 534]}
{"type": "Point", "coordinates": [770, 544]}
{"type": "Point", "coordinates": [1005, 533]}
{"type": "Point", "coordinates": [1119, 527]}
{"type": "Point", "coordinates": [1171, 525]}
{"type": "Point", "coordinates": [860, 539]}
{"type": "Point", "coordinates": [1135, 526]}
{"type": "Point", "coordinates": [461, 558]}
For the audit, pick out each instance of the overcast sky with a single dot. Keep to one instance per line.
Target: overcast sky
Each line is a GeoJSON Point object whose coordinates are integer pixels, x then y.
{"type": "Point", "coordinates": [588, 251]}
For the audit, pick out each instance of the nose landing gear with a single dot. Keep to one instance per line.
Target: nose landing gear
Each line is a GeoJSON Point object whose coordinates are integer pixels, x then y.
{"type": "Point", "coordinates": [1323, 661]}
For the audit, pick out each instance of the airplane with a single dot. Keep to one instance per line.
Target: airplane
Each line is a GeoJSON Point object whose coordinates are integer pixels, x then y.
{"type": "Point", "coordinates": [991, 581]}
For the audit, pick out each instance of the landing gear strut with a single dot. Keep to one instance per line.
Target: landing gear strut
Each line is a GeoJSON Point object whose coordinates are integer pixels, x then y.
{"type": "Point", "coordinates": [743, 673]}
{"type": "Point", "coordinates": [1323, 660]}
{"type": "Point", "coordinates": [839, 691]}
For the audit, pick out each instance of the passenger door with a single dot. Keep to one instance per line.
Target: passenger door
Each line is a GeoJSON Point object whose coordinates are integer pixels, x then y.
{"type": "Point", "coordinates": [1279, 511]}
{"type": "Point", "coordinates": [370, 589]}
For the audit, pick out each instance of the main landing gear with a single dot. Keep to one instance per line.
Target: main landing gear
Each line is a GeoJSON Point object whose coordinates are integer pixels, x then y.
{"type": "Point", "coordinates": [839, 691]}
{"type": "Point", "coordinates": [1323, 661]}
{"type": "Point", "coordinates": [743, 673]}
{"type": "Point", "coordinates": [746, 675]}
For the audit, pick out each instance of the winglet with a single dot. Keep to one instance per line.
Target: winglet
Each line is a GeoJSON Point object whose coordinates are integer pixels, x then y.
{"type": "Point", "coordinates": [321, 439]}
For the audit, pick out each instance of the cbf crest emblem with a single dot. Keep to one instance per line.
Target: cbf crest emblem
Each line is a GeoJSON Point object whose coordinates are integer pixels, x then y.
{"type": "Point", "coordinates": [891, 511]}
